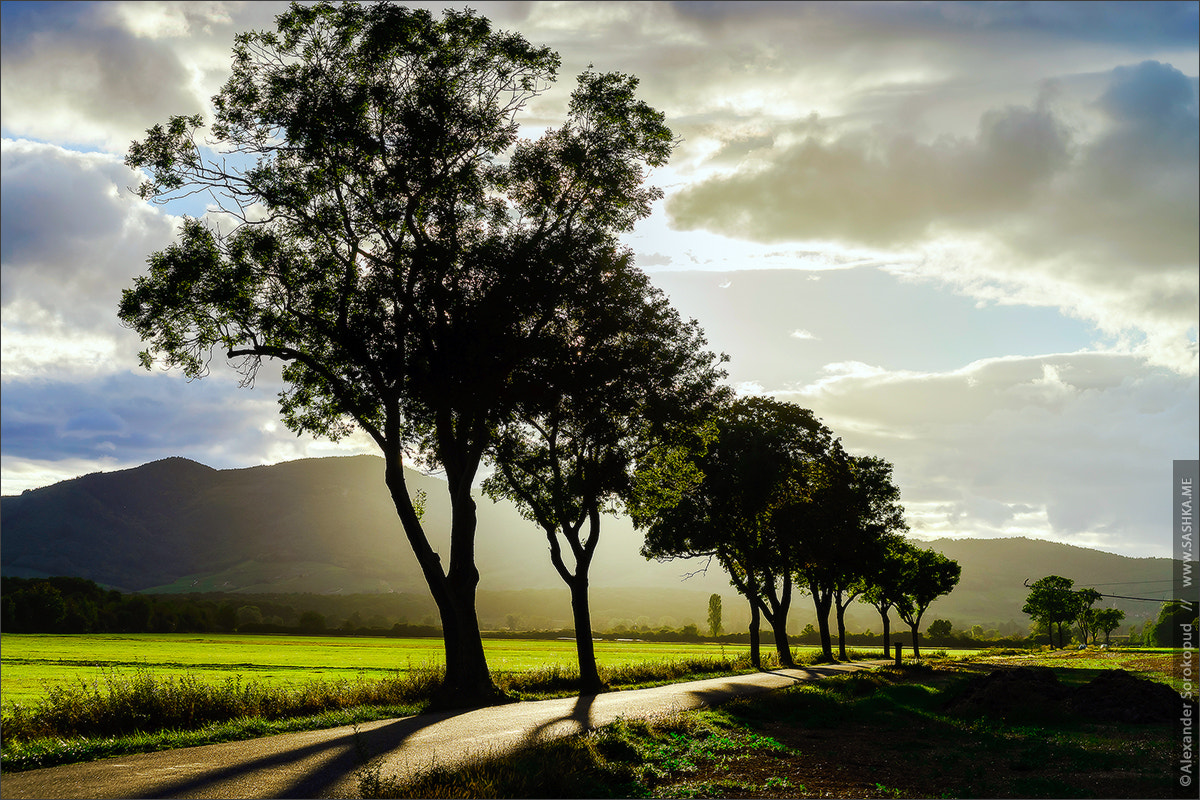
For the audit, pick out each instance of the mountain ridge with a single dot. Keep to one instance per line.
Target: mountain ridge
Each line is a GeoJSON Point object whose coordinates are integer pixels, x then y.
{"type": "Point", "coordinates": [327, 525]}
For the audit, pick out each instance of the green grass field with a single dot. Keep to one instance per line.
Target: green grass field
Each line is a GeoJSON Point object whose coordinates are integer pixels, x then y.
{"type": "Point", "coordinates": [31, 662]}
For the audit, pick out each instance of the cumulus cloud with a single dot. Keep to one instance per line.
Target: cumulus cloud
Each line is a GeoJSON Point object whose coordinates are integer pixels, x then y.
{"type": "Point", "coordinates": [73, 236]}
{"type": "Point", "coordinates": [1073, 447]}
{"type": "Point", "coordinates": [872, 190]}
{"type": "Point", "coordinates": [89, 81]}
{"type": "Point", "coordinates": [1101, 225]}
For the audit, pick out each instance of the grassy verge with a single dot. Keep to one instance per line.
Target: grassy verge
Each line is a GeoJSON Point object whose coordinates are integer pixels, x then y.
{"type": "Point", "coordinates": [886, 733]}
{"type": "Point", "coordinates": [140, 712]}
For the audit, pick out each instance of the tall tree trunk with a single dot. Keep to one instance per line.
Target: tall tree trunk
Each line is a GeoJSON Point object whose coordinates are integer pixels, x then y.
{"type": "Point", "coordinates": [822, 602]}
{"type": "Point", "coordinates": [778, 618]}
{"type": "Point", "coordinates": [468, 681]}
{"type": "Point", "coordinates": [887, 645]}
{"type": "Point", "coordinates": [755, 653]}
{"type": "Point", "coordinates": [782, 645]}
{"type": "Point", "coordinates": [916, 638]}
{"type": "Point", "coordinates": [841, 623]}
{"type": "Point", "coordinates": [589, 675]}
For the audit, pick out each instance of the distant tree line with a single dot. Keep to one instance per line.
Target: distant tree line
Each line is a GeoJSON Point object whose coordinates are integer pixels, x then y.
{"type": "Point", "coordinates": [77, 605]}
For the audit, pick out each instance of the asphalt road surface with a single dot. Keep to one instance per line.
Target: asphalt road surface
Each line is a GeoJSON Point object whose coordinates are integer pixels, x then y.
{"type": "Point", "coordinates": [325, 763]}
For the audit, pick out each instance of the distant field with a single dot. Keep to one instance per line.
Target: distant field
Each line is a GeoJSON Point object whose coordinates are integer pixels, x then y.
{"type": "Point", "coordinates": [29, 662]}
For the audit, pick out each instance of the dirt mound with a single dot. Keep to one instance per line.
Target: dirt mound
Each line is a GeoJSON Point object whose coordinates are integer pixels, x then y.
{"type": "Point", "coordinates": [1120, 696]}
{"type": "Point", "coordinates": [1035, 692]}
{"type": "Point", "coordinates": [1006, 693]}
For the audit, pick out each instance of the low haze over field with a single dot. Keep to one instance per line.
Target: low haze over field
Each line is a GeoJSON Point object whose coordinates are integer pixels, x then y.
{"type": "Point", "coordinates": [964, 234]}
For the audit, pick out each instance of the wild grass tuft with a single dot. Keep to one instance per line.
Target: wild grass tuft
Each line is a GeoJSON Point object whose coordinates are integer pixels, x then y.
{"type": "Point", "coordinates": [124, 704]}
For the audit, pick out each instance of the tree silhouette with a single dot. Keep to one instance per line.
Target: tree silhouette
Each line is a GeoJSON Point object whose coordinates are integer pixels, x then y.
{"type": "Point", "coordinates": [1052, 601]}
{"type": "Point", "coordinates": [926, 576]}
{"type": "Point", "coordinates": [867, 515]}
{"type": "Point", "coordinates": [621, 376]}
{"type": "Point", "coordinates": [764, 457]}
{"type": "Point", "coordinates": [374, 241]}
{"type": "Point", "coordinates": [883, 589]}
{"type": "Point", "coordinates": [714, 614]}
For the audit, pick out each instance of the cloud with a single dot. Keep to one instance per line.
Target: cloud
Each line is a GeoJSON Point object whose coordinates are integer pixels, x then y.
{"type": "Point", "coordinates": [71, 238]}
{"type": "Point", "coordinates": [877, 191]}
{"type": "Point", "coordinates": [68, 428]}
{"type": "Point", "coordinates": [88, 81]}
{"type": "Point", "coordinates": [1075, 447]}
{"type": "Point", "coordinates": [1100, 222]}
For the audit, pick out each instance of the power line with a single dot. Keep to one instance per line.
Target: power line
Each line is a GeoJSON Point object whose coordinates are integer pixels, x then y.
{"type": "Point", "coordinates": [1147, 599]}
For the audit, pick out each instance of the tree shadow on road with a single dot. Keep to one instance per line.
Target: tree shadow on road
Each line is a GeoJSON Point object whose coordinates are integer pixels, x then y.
{"type": "Point", "coordinates": [581, 716]}
{"type": "Point", "coordinates": [313, 770]}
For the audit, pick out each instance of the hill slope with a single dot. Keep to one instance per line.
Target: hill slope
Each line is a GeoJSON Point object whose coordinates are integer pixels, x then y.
{"type": "Point", "coordinates": [328, 525]}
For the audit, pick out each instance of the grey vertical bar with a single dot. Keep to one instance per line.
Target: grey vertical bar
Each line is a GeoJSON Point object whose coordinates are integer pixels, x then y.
{"type": "Point", "coordinates": [1184, 495]}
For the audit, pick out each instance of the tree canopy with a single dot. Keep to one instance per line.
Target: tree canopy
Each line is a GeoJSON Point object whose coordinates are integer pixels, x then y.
{"type": "Point", "coordinates": [624, 375]}
{"type": "Point", "coordinates": [1052, 601]}
{"type": "Point", "coordinates": [763, 456]}
{"type": "Point", "coordinates": [389, 238]}
{"type": "Point", "coordinates": [925, 576]}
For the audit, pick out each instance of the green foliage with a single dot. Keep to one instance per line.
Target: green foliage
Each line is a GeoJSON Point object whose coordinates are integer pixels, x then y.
{"type": "Point", "coordinates": [714, 614]}
{"type": "Point", "coordinates": [925, 576]}
{"type": "Point", "coordinates": [409, 260]}
{"type": "Point", "coordinates": [765, 457]}
{"type": "Point", "coordinates": [1052, 601]}
{"type": "Point", "coordinates": [939, 628]}
{"type": "Point", "coordinates": [1171, 616]}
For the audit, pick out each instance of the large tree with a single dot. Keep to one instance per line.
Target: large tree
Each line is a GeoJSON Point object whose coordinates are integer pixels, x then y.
{"type": "Point", "coordinates": [388, 237]}
{"type": "Point", "coordinates": [623, 375]}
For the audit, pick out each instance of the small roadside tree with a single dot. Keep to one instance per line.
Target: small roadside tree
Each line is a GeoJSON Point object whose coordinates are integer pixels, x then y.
{"type": "Point", "coordinates": [389, 239]}
{"type": "Point", "coordinates": [871, 516]}
{"type": "Point", "coordinates": [763, 456]}
{"type": "Point", "coordinates": [1085, 616]}
{"type": "Point", "coordinates": [927, 576]}
{"type": "Point", "coordinates": [940, 629]}
{"type": "Point", "coordinates": [882, 589]}
{"type": "Point", "coordinates": [1108, 620]}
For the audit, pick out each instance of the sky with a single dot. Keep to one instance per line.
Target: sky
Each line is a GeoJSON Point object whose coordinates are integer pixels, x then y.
{"type": "Point", "coordinates": [963, 234]}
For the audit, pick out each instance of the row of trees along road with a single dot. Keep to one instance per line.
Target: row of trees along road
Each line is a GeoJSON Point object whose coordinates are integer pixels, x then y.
{"type": "Point", "coordinates": [454, 291]}
{"type": "Point", "coordinates": [770, 494]}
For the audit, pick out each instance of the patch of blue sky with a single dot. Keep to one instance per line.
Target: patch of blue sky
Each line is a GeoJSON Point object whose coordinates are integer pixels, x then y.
{"type": "Point", "coordinates": [865, 315]}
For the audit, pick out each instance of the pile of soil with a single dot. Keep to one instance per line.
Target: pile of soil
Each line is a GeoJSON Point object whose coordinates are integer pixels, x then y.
{"type": "Point", "coordinates": [1119, 696]}
{"type": "Point", "coordinates": [1027, 692]}
{"type": "Point", "coordinates": [1008, 693]}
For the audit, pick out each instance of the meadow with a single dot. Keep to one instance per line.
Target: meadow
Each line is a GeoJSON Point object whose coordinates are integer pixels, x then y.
{"type": "Point", "coordinates": [31, 663]}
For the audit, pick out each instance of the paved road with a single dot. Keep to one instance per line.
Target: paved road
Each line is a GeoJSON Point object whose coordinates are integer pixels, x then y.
{"type": "Point", "coordinates": [324, 763]}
